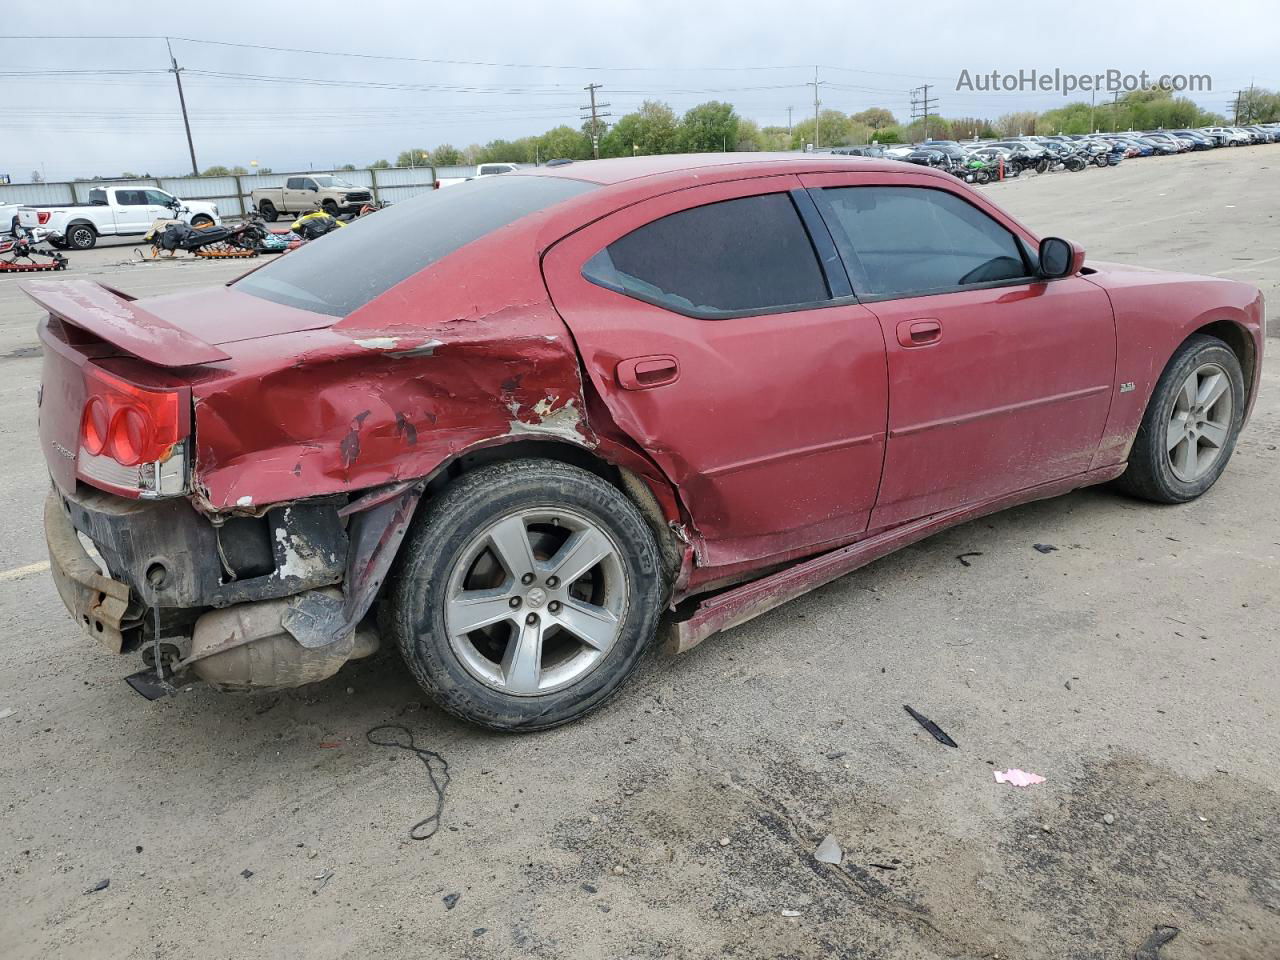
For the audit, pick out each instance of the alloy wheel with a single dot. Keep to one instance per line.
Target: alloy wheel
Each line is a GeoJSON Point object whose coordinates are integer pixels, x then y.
{"type": "Point", "coordinates": [1199, 422]}
{"type": "Point", "coordinates": [536, 600]}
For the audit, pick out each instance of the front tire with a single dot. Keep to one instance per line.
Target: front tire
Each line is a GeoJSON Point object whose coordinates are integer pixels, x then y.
{"type": "Point", "coordinates": [200, 221]}
{"type": "Point", "coordinates": [526, 595]}
{"type": "Point", "coordinates": [1190, 428]}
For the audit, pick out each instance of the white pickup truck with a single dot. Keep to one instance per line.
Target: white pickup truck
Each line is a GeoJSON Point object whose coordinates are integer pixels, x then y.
{"type": "Point", "coordinates": [119, 212]}
{"type": "Point", "coordinates": [483, 170]}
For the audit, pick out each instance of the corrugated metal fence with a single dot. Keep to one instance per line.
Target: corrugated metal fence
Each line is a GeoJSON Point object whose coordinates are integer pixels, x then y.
{"type": "Point", "coordinates": [231, 194]}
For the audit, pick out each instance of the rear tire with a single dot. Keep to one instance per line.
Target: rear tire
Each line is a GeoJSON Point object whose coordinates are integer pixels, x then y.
{"type": "Point", "coordinates": [486, 552]}
{"type": "Point", "coordinates": [1190, 428]}
{"type": "Point", "coordinates": [268, 211]}
{"type": "Point", "coordinates": [330, 207]}
{"type": "Point", "coordinates": [81, 236]}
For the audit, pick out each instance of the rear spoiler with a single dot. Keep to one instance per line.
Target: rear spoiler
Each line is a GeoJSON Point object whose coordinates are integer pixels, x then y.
{"type": "Point", "coordinates": [117, 319]}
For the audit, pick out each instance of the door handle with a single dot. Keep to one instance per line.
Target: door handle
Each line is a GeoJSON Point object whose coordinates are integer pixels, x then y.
{"type": "Point", "coordinates": [919, 333]}
{"type": "Point", "coordinates": [644, 373]}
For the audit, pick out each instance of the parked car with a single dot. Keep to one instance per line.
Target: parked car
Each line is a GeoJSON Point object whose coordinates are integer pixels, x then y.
{"type": "Point", "coordinates": [871, 150]}
{"type": "Point", "coordinates": [303, 194]}
{"type": "Point", "coordinates": [522, 418]}
{"type": "Point", "coordinates": [482, 170]}
{"type": "Point", "coordinates": [119, 212]}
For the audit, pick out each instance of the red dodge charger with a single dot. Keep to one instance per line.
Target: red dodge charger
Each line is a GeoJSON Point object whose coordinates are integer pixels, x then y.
{"type": "Point", "coordinates": [521, 426]}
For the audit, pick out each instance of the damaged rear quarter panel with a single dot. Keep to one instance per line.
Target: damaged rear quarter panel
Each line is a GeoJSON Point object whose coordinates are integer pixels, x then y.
{"type": "Point", "coordinates": [467, 352]}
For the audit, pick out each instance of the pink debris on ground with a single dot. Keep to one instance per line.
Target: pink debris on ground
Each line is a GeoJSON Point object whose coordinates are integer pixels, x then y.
{"type": "Point", "coordinates": [1018, 778]}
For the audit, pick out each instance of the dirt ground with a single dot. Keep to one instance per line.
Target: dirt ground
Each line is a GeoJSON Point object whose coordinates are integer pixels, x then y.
{"type": "Point", "coordinates": [1135, 667]}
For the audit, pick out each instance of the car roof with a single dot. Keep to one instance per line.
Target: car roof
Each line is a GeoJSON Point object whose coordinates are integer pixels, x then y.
{"type": "Point", "coordinates": [622, 169]}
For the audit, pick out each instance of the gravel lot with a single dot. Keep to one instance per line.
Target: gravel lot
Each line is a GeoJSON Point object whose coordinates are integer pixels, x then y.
{"type": "Point", "coordinates": [1135, 667]}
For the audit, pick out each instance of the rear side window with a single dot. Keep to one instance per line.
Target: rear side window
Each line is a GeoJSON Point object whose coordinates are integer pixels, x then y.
{"type": "Point", "coordinates": [900, 241]}
{"type": "Point", "coordinates": [345, 269]}
{"type": "Point", "coordinates": [735, 257]}
{"type": "Point", "coordinates": [294, 183]}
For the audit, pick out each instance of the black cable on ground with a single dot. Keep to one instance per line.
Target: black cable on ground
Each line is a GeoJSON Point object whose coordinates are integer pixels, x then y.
{"type": "Point", "coordinates": [439, 780]}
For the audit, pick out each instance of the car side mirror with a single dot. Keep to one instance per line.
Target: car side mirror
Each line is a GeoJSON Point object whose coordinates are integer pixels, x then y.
{"type": "Point", "coordinates": [314, 189]}
{"type": "Point", "coordinates": [1060, 258]}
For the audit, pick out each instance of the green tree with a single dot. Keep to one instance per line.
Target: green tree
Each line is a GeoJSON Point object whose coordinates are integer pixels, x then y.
{"type": "Point", "coordinates": [347, 166]}
{"type": "Point", "coordinates": [709, 127]}
{"type": "Point", "coordinates": [749, 135]}
{"type": "Point", "coordinates": [877, 118]}
{"type": "Point", "coordinates": [413, 158]}
{"type": "Point", "coordinates": [775, 138]}
{"type": "Point", "coordinates": [651, 129]}
{"type": "Point", "coordinates": [1259, 106]}
{"type": "Point", "coordinates": [446, 155]}
{"type": "Point", "coordinates": [833, 129]}
{"type": "Point", "coordinates": [564, 141]}
{"type": "Point", "coordinates": [380, 165]}
{"type": "Point", "coordinates": [216, 171]}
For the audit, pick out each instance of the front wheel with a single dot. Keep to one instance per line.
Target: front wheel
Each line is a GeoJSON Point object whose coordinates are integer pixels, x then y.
{"type": "Point", "coordinates": [526, 595]}
{"type": "Point", "coordinates": [81, 236]}
{"type": "Point", "coordinates": [200, 221]}
{"type": "Point", "coordinates": [1189, 430]}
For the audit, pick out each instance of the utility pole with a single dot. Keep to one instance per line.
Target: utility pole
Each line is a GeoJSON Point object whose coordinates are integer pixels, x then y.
{"type": "Point", "coordinates": [817, 138]}
{"type": "Point", "coordinates": [177, 75]}
{"type": "Point", "coordinates": [591, 88]}
{"type": "Point", "coordinates": [1093, 98]}
{"type": "Point", "coordinates": [922, 105]}
{"type": "Point", "coordinates": [788, 121]}
{"type": "Point", "coordinates": [1235, 120]}
{"type": "Point", "coordinates": [1115, 110]}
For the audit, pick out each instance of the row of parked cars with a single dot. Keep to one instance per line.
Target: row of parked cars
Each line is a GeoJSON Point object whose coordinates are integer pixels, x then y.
{"type": "Point", "coordinates": [980, 161]}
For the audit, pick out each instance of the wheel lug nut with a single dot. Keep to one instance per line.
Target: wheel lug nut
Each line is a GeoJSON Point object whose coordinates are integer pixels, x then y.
{"type": "Point", "coordinates": [515, 601]}
{"type": "Point", "coordinates": [554, 606]}
{"type": "Point", "coordinates": [553, 582]}
{"type": "Point", "coordinates": [527, 579]}
{"type": "Point", "coordinates": [531, 619]}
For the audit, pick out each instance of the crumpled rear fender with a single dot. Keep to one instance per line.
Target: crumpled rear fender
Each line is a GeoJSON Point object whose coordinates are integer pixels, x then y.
{"type": "Point", "coordinates": [330, 411]}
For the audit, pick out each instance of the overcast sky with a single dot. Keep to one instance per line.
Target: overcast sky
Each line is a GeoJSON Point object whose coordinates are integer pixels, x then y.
{"type": "Point", "coordinates": [519, 68]}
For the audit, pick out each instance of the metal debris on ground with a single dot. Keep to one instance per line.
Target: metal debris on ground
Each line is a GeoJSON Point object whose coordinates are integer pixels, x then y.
{"type": "Point", "coordinates": [100, 885]}
{"type": "Point", "coordinates": [828, 851]}
{"type": "Point", "coordinates": [1018, 778]}
{"type": "Point", "coordinates": [1150, 949]}
{"type": "Point", "coordinates": [936, 731]}
{"type": "Point", "coordinates": [322, 879]}
{"type": "Point", "coordinates": [791, 913]}
{"type": "Point", "coordinates": [425, 828]}
{"type": "Point", "coordinates": [1044, 547]}
{"type": "Point", "coordinates": [962, 557]}
{"type": "Point", "coordinates": [451, 900]}
{"type": "Point", "coordinates": [246, 873]}
{"type": "Point", "coordinates": [7, 712]}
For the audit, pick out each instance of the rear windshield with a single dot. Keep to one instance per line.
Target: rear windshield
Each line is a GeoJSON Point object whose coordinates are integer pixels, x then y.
{"type": "Point", "coordinates": [343, 270]}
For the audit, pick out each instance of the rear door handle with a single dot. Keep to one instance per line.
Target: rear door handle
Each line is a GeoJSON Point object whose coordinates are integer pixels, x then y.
{"type": "Point", "coordinates": [919, 333]}
{"type": "Point", "coordinates": [645, 373]}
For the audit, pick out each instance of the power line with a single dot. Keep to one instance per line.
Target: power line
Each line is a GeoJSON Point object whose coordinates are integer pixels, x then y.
{"type": "Point", "coordinates": [463, 63]}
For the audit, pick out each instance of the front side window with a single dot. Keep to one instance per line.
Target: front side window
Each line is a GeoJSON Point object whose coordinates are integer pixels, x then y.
{"type": "Point", "coordinates": [131, 198]}
{"type": "Point", "coordinates": [159, 198]}
{"type": "Point", "coordinates": [910, 240]}
{"type": "Point", "coordinates": [743, 256]}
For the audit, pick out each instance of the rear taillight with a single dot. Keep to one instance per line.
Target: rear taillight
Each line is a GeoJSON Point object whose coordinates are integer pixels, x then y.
{"type": "Point", "coordinates": [132, 439]}
{"type": "Point", "coordinates": [42, 216]}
